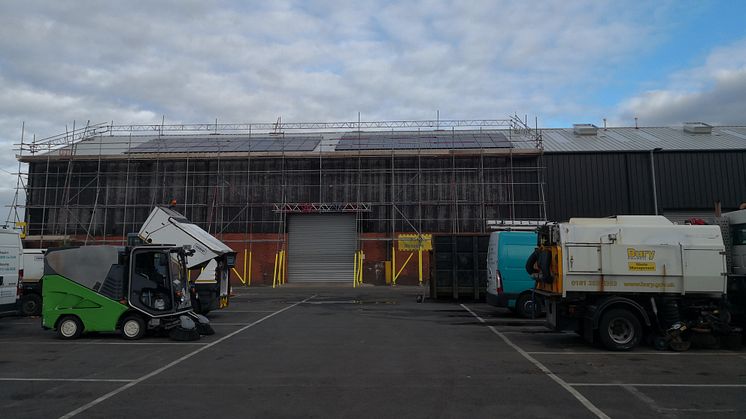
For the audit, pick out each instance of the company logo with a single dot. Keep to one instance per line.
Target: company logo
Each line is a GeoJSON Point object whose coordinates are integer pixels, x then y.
{"type": "Point", "coordinates": [636, 254]}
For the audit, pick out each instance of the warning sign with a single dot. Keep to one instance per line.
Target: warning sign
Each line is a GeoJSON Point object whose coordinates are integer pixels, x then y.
{"type": "Point", "coordinates": [413, 242]}
{"type": "Point", "coordinates": [641, 266]}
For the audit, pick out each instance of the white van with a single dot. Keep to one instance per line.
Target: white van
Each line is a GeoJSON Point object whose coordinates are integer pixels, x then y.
{"type": "Point", "coordinates": [11, 270]}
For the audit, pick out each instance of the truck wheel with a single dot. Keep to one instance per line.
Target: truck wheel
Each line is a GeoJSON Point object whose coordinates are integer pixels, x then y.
{"type": "Point", "coordinates": [619, 330]}
{"type": "Point", "coordinates": [133, 327]}
{"type": "Point", "coordinates": [69, 327]}
{"type": "Point", "coordinates": [527, 308]}
{"type": "Point", "coordinates": [31, 305]}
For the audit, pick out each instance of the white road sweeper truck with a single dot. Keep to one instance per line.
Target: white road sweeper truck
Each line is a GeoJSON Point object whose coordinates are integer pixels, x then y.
{"type": "Point", "coordinates": [617, 280]}
{"type": "Point", "coordinates": [211, 289]}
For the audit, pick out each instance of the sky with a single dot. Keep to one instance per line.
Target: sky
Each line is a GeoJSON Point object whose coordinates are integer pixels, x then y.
{"type": "Point", "coordinates": [562, 62]}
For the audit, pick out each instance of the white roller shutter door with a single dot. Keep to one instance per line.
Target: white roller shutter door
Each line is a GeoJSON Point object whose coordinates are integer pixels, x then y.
{"type": "Point", "coordinates": [321, 247]}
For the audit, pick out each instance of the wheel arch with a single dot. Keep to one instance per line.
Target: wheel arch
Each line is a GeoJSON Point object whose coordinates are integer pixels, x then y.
{"type": "Point", "coordinates": [128, 313]}
{"type": "Point", "coordinates": [624, 303]}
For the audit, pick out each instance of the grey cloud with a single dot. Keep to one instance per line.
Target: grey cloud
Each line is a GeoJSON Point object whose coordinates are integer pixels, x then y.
{"type": "Point", "coordinates": [133, 62]}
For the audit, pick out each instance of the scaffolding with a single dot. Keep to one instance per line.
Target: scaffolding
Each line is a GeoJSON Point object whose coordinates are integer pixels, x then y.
{"type": "Point", "coordinates": [89, 185]}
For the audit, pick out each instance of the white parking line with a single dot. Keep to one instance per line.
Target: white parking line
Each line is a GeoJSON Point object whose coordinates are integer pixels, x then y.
{"type": "Point", "coordinates": [656, 385]}
{"type": "Point", "coordinates": [227, 324]}
{"type": "Point", "coordinates": [245, 311]}
{"type": "Point", "coordinates": [575, 393]}
{"type": "Point", "coordinates": [81, 380]}
{"type": "Point", "coordinates": [83, 342]}
{"type": "Point", "coordinates": [173, 363]}
{"type": "Point", "coordinates": [695, 353]}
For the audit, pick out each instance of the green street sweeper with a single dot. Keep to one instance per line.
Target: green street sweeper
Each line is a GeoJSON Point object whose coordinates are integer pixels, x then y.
{"type": "Point", "coordinates": [130, 290]}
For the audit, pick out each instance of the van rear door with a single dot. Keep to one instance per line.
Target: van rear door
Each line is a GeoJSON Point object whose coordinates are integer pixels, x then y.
{"type": "Point", "coordinates": [10, 266]}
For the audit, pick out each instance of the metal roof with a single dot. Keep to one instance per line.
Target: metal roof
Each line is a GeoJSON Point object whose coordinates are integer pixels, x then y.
{"type": "Point", "coordinates": [564, 140]}
{"type": "Point", "coordinates": [555, 140]}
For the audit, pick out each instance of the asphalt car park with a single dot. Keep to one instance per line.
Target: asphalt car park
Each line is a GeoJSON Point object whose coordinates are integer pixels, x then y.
{"type": "Point", "coordinates": [363, 352]}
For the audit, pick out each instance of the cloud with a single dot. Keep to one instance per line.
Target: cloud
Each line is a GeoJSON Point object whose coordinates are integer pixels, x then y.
{"type": "Point", "coordinates": [194, 61]}
{"type": "Point", "coordinates": [714, 92]}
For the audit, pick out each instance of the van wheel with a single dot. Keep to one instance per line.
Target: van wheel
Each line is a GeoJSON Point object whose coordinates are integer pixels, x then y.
{"type": "Point", "coordinates": [133, 327]}
{"type": "Point", "coordinates": [31, 305]}
{"type": "Point", "coordinates": [69, 327]}
{"type": "Point", "coordinates": [619, 330]}
{"type": "Point", "coordinates": [526, 307]}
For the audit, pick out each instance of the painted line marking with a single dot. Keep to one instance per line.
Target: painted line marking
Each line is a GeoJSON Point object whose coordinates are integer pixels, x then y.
{"type": "Point", "coordinates": [647, 400]}
{"type": "Point", "coordinates": [82, 380]}
{"type": "Point", "coordinates": [575, 393]}
{"type": "Point", "coordinates": [227, 324]}
{"type": "Point", "coordinates": [634, 353]}
{"type": "Point", "coordinates": [656, 385]}
{"type": "Point", "coordinates": [669, 412]}
{"type": "Point", "coordinates": [6, 342]}
{"type": "Point", "coordinates": [245, 311]}
{"type": "Point", "coordinates": [176, 362]}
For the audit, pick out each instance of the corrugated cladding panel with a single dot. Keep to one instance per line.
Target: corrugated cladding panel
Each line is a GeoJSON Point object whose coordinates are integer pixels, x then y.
{"type": "Point", "coordinates": [604, 184]}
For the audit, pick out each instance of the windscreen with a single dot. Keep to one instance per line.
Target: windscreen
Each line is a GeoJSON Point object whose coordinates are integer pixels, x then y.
{"type": "Point", "coordinates": [179, 281]}
{"type": "Point", "coordinates": [738, 234]}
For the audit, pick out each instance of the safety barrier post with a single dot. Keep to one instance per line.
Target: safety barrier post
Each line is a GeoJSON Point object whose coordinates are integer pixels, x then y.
{"type": "Point", "coordinates": [393, 264]}
{"type": "Point", "coordinates": [402, 267]}
{"type": "Point", "coordinates": [248, 279]}
{"type": "Point", "coordinates": [274, 272]}
{"type": "Point", "coordinates": [283, 266]}
{"type": "Point", "coordinates": [354, 271]}
{"type": "Point", "coordinates": [360, 270]}
{"type": "Point", "coordinates": [238, 275]}
{"type": "Point", "coordinates": [419, 263]}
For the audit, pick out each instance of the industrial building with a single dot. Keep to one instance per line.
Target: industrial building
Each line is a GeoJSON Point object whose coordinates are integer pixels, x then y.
{"type": "Point", "coordinates": [320, 192]}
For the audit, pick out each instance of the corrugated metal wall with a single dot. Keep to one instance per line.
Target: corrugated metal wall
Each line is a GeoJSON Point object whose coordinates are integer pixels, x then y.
{"type": "Point", "coordinates": [603, 184]}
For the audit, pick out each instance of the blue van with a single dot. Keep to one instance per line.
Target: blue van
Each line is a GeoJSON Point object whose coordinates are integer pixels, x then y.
{"type": "Point", "coordinates": [508, 283]}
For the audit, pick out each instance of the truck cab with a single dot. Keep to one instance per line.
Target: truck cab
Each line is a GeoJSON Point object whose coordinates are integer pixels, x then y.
{"type": "Point", "coordinates": [508, 283]}
{"type": "Point", "coordinates": [11, 271]}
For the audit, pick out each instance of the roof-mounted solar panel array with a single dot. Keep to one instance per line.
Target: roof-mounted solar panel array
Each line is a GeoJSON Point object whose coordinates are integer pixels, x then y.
{"type": "Point", "coordinates": [426, 141]}
{"type": "Point", "coordinates": [227, 145]}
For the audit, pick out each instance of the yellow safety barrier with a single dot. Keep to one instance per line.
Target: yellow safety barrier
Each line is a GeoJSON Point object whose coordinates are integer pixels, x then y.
{"type": "Point", "coordinates": [419, 265]}
{"type": "Point", "coordinates": [357, 272]}
{"type": "Point", "coordinates": [246, 280]}
{"type": "Point", "coordinates": [396, 276]}
{"type": "Point", "coordinates": [360, 270]}
{"type": "Point", "coordinates": [274, 272]}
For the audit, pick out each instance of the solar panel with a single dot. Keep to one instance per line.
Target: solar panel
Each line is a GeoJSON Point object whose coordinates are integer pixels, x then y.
{"type": "Point", "coordinates": [225, 145]}
{"type": "Point", "coordinates": [410, 141]}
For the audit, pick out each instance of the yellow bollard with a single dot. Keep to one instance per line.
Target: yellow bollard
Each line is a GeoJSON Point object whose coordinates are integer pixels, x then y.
{"type": "Point", "coordinates": [279, 268]}
{"type": "Point", "coordinates": [419, 263]}
{"type": "Point", "coordinates": [393, 264]}
{"type": "Point", "coordinates": [282, 267]}
{"type": "Point", "coordinates": [248, 280]}
{"type": "Point", "coordinates": [274, 272]}
{"type": "Point", "coordinates": [362, 258]}
{"type": "Point", "coordinates": [354, 271]}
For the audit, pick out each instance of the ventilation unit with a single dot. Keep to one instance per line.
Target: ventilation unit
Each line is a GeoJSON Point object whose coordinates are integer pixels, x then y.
{"type": "Point", "coordinates": [584, 129]}
{"type": "Point", "coordinates": [697, 128]}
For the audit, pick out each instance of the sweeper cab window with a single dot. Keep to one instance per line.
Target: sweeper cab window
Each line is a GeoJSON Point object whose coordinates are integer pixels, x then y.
{"type": "Point", "coordinates": [158, 283]}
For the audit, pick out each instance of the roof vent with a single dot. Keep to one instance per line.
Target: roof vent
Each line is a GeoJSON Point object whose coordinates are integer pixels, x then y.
{"type": "Point", "coordinates": [584, 129]}
{"type": "Point", "coordinates": [697, 128]}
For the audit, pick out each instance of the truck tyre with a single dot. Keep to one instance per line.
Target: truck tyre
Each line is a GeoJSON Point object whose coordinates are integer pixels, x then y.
{"type": "Point", "coordinates": [526, 308]}
{"type": "Point", "coordinates": [619, 330]}
{"type": "Point", "coordinates": [69, 327]}
{"type": "Point", "coordinates": [31, 305]}
{"type": "Point", "coordinates": [133, 327]}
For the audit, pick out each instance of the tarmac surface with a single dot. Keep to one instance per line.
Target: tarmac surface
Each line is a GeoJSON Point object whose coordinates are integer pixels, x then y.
{"type": "Point", "coordinates": [369, 352]}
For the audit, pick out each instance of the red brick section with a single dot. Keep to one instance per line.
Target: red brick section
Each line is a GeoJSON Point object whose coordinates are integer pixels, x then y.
{"type": "Point", "coordinates": [264, 247]}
